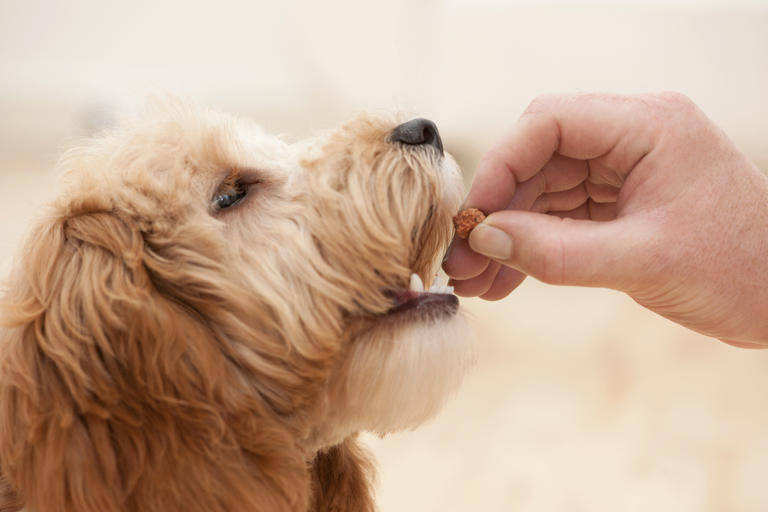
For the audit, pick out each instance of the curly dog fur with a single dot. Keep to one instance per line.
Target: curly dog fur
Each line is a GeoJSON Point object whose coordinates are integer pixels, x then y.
{"type": "Point", "coordinates": [161, 351]}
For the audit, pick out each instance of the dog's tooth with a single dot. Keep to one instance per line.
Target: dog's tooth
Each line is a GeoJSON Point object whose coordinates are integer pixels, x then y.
{"type": "Point", "coordinates": [441, 289]}
{"type": "Point", "coordinates": [416, 284]}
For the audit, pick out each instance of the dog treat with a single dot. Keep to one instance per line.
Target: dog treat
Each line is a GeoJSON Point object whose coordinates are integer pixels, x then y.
{"type": "Point", "coordinates": [466, 220]}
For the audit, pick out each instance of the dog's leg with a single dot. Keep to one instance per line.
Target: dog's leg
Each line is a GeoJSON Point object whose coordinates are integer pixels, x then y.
{"type": "Point", "coordinates": [342, 477]}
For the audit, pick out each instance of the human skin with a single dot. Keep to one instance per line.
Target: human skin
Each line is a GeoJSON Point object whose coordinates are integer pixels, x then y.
{"type": "Point", "coordinates": [643, 194]}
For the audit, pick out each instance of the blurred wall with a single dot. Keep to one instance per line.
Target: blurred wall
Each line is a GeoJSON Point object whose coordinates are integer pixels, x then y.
{"type": "Point", "coordinates": [301, 66]}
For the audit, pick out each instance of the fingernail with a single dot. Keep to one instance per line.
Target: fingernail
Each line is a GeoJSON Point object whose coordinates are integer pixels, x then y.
{"type": "Point", "coordinates": [491, 242]}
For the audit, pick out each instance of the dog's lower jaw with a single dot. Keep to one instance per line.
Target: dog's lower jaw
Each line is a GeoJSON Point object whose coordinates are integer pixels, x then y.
{"type": "Point", "coordinates": [396, 376]}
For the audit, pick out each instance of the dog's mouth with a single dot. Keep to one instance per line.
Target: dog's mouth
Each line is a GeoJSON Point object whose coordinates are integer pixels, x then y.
{"type": "Point", "coordinates": [436, 301]}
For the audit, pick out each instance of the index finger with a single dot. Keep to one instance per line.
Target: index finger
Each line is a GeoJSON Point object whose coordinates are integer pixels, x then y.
{"type": "Point", "coordinates": [581, 126]}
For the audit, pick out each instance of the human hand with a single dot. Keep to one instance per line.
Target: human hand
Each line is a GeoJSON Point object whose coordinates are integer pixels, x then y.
{"type": "Point", "coordinates": [642, 194]}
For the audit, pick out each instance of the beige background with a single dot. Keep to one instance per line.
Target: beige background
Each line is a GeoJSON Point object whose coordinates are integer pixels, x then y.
{"type": "Point", "coordinates": [581, 400]}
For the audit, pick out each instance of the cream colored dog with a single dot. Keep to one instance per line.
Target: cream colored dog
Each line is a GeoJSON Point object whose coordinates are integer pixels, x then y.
{"type": "Point", "coordinates": [207, 316]}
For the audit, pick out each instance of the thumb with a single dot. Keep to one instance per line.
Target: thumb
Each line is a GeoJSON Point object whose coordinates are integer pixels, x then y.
{"type": "Point", "coordinates": [559, 250]}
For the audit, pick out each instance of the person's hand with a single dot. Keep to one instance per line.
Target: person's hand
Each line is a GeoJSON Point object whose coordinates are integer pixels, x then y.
{"type": "Point", "coordinates": [642, 194]}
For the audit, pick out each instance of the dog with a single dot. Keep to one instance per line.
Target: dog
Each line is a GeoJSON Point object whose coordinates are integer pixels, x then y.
{"type": "Point", "coordinates": [207, 316]}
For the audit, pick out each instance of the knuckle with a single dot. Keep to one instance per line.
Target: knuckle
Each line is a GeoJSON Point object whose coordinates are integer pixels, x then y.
{"type": "Point", "coordinates": [674, 103]}
{"type": "Point", "coordinates": [667, 111]}
{"type": "Point", "coordinates": [675, 99]}
{"type": "Point", "coordinates": [542, 103]}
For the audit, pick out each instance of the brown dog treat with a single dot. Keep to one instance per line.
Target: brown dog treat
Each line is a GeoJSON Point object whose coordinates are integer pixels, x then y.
{"type": "Point", "coordinates": [466, 220]}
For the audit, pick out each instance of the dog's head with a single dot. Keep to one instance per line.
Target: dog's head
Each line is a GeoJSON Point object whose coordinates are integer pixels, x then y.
{"type": "Point", "coordinates": [206, 305]}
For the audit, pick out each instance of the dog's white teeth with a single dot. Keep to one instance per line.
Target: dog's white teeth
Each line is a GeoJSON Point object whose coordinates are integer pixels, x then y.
{"type": "Point", "coordinates": [416, 284]}
{"type": "Point", "coordinates": [440, 285]}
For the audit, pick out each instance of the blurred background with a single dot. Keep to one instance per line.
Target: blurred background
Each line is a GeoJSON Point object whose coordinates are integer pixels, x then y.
{"type": "Point", "coordinates": [580, 400]}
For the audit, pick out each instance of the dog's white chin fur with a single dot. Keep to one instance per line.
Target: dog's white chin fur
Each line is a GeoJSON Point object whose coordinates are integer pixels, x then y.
{"type": "Point", "coordinates": [399, 382]}
{"type": "Point", "coordinates": [398, 376]}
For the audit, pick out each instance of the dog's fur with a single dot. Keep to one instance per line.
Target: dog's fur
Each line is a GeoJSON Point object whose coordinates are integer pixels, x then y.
{"type": "Point", "coordinates": [158, 355]}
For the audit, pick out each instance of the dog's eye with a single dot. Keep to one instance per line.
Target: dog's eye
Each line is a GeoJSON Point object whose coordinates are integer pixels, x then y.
{"type": "Point", "coordinates": [229, 195]}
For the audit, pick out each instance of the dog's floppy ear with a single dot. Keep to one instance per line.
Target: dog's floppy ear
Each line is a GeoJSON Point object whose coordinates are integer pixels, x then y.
{"type": "Point", "coordinates": [342, 477]}
{"type": "Point", "coordinates": [118, 384]}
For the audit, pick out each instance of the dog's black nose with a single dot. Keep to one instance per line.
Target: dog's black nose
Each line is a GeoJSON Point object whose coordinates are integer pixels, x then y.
{"type": "Point", "coordinates": [417, 132]}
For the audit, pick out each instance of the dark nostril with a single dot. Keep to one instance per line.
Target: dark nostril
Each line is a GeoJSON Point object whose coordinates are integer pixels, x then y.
{"type": "Point", "coordinates": [417, 132]}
